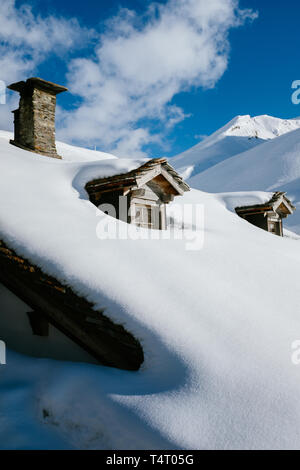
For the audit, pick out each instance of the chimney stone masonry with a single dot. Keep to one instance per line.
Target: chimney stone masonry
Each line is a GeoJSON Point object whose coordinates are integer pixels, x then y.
{"type": "Point", "coordinates": [34, 122]}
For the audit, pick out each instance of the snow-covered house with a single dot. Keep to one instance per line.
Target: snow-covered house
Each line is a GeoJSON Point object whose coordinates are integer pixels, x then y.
{"type": "Point", "coordinates": [41, 315]}
{"type": "Point", "coordinates": [216, 342]}
{"type": "Point", "coordinates": [269, 215]}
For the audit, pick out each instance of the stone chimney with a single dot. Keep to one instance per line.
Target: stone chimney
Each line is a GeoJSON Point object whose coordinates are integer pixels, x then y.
{"type": "Point", "coordinates": [35, 119]}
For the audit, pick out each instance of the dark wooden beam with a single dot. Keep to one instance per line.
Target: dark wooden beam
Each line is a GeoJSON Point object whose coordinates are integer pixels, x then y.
{"type": "Point", "coordinates": [39, 324]}
{"type": "Point", "coordinates": [107, 341]}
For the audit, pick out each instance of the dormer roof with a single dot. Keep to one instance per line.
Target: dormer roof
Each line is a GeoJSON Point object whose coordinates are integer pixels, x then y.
{"type": "Point", "coordinates": [157, 168]}
{"type": "Point", "coordinates": [278, 203]}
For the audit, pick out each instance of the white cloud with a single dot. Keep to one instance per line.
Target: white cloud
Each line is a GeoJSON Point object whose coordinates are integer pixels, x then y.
{"type": "Point", "coordinates": [27, 40]}
{"type": "Point", "coordinates": [141, 63]}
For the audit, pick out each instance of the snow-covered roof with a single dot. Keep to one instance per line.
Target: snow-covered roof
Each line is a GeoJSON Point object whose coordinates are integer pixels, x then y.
{"type": "Point", "coordinates": [217, 339]}
{"type": "Point", "coordinates": [140, 175]}
{"type": "Point", "coordinates": [276, 201]}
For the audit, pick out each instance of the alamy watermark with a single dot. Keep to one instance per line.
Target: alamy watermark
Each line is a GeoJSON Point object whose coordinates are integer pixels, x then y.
{"type": "Point", "coordinates": [295, 357]}
{"type": "Point", "coordinates": [183, 222]}
{"type": "Point", "coordinates": [2, 92]}
{"type": "Point", "coordinates": [2, 353]}
{"type": "Point", "coordinates": [296, 94]}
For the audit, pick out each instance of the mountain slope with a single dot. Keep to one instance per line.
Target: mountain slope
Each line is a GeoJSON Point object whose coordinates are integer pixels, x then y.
{"type": "Point", "coordinates": [274, 165]}
{"type": "Point", "coordinates": [239, 135]}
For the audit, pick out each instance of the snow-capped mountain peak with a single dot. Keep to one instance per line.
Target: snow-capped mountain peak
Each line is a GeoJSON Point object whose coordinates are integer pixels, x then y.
{"type": "Point", "coordinates": [239, 135]}
{"type": "Point", "coordinates": [261, 127]}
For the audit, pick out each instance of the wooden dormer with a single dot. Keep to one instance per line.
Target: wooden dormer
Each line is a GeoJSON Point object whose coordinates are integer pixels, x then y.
{"type": "Point", "coordinates": [146, 190]}
{"type": "Point", "coordinates": [269, 215]}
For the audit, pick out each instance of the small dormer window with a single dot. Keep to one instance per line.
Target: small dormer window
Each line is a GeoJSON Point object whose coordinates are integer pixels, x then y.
{"type": "Point", "coordinates": [269, 215]}
{"type": "Point", "coordinates": [143, 216]}
{"type": "Point", "coordinates": [147, 190]}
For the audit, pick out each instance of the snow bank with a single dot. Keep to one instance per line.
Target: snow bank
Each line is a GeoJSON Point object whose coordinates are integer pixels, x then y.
{"type": "Point", "coordinates": [78, 154]}
{"type": "Point", "coordinates": [239, 199]}
{"type": "Point", "coordinates": [69, 152]}
{"type": "Point", "coordinates": [216, 324]}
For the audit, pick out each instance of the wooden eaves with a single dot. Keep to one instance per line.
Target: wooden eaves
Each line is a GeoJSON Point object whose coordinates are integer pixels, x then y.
{"type": "Point", "coordinates": [136, 178]}
{"type": "Point", "coordinates": [73, 315]}
{"type": "Point", "coordinates": [273, 204]}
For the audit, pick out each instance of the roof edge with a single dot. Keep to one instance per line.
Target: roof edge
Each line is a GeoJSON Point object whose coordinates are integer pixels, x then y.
{"type": "Point", "coordinates": [269, 205]}
{"type": "Point", "coordinates": [147, 166]}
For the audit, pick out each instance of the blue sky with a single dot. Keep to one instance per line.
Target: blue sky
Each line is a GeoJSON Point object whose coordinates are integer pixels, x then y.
{"type": "Point", "coordinates": [263, 61]}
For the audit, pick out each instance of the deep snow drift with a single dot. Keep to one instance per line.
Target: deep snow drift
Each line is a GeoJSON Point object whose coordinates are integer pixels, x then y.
{"type": "Point", "coordinates": [216, 322]}
{"type": "Point", "coordinates": [70, 152]}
